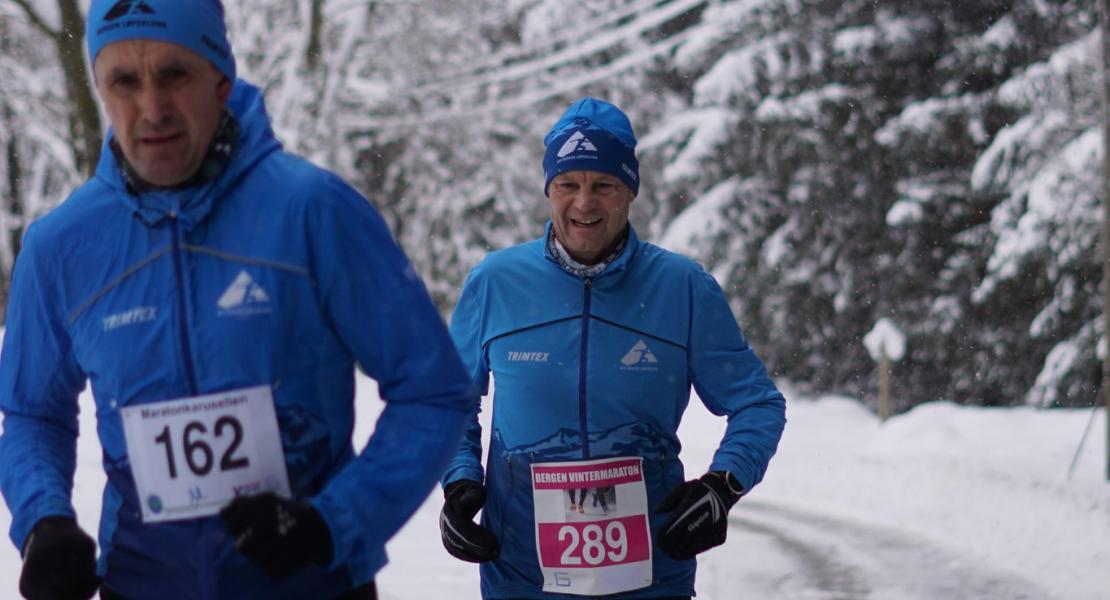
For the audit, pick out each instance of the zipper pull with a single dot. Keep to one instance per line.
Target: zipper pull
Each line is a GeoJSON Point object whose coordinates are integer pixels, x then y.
{"type": "Point", "coordinates": [587, 282]}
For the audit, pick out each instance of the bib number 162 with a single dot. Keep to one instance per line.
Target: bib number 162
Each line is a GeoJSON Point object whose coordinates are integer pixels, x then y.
{"type": "Point", "coordinates": [199, 446]}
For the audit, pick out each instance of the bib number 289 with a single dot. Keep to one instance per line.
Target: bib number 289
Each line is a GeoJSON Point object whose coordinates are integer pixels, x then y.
{"type": "Point", "coordinates": [594, 545]}
{"type": "Point", "coordinates": [197, 444]}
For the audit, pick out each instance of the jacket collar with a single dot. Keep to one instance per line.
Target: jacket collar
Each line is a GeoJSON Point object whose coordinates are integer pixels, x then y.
{"type": "Point", "coordinates": [192, 204]}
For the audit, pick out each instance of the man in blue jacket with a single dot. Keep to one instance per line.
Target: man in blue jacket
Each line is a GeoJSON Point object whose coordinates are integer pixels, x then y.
{"type": "Point", "coordinates": [217, 292]}
{"type": "Point", "coordinates": [594, 339]}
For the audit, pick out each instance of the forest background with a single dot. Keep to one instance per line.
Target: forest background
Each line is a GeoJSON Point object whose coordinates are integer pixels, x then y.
{"type": "Point", "coordinates": [831, 162]}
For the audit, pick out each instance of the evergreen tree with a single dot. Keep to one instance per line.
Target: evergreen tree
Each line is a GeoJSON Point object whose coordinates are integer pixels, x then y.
{"type": "Point", "coordinates": [831, 163]}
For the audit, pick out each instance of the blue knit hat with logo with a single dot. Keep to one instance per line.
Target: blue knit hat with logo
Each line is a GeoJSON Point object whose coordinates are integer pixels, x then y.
{"type": "Point", "coordinates": [592, 135]}
{"type": "Point", "coordinates": [195, 24]}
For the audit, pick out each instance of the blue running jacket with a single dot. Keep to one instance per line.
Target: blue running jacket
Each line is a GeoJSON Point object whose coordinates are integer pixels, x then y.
{"type": "Point", "coordinates": [589, 369]}
{"type": "Point", "coordinates": [125, 291]}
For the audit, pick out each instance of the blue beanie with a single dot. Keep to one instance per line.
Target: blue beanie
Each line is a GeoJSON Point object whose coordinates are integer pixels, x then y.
{"type": "Point", "coordinates": [195, 24]}
{"type": "Point", "coordinates": [592, 135]}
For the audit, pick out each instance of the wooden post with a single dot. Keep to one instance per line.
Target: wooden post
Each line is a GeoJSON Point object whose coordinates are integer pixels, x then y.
{"type": "Point", "coordinates": [884, 385]}
{"type": "Point", "coordinates": [885, 354]}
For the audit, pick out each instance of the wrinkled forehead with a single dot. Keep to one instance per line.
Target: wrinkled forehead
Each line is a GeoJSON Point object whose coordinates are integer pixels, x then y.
{"type": "Point", "coordinates": [137, 55]}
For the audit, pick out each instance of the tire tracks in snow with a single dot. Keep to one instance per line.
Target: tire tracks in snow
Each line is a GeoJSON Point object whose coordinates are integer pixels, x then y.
{"type": "Point", "coordinates": [821, 557]}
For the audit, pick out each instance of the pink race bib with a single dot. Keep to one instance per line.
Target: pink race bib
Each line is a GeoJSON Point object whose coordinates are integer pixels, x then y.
{"type": "Point", "coordinates": [592, 533]}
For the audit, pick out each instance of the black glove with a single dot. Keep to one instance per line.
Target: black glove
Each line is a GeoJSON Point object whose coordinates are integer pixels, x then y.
{"type": "Point", "coordinates": [699, 514]}
{"type": "Point", "coordinates": [462, 537]}
{"type": "Point", "coordinates": [278, 535]}
{"type": "Point", "coordinates": [59, 561]}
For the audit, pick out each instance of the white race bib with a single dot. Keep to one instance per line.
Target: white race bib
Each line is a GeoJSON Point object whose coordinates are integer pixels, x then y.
{"type": "Point", "coordinates": [592, 534]}
{"type": "Point", "coordinates": [191, 456]}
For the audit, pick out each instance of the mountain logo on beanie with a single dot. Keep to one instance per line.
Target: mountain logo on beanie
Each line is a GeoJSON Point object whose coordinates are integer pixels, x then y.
{"type": "Point", "coordinates": [576, 143]}
{"type": "Point", "coordinates": [128, 7]}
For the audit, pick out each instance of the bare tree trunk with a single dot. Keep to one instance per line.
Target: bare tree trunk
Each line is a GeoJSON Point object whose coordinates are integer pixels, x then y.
{"type": "Point", "coordinates": [1104, 10]}
{"type": "Point", "coordinates": [69, 43]}
{"type": "Point", "coordinates": [15, 209]}
{"type": "Point", "coordinates": [315, 30]}
{"type": "Point", "coordinates": [84, 121]}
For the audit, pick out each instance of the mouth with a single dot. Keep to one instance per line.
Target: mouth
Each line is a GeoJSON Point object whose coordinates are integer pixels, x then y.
{"type": "Point", "coordinates": [159, 140]}
{"type": "Point", "coordinates": [586, 222]}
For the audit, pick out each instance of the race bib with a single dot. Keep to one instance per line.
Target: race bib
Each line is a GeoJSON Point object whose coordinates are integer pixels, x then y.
{"type": "Point", "coordinates": [592, 533]}
{"type": "Point", "coordinates": [190, 457]}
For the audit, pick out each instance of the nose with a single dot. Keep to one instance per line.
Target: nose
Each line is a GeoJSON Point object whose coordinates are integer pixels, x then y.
{"type": "Point", "coordinates": [585, 199]}
{"type": "Point", "coordinates": [154, 105]}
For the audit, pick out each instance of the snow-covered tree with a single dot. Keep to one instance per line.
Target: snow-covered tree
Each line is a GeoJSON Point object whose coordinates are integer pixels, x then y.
{"type": "Point", "coordinates": [826, 167]}
{"type": "Point", "coordinates": [832, 163]}
{"type": "Point", "coordinates": [44, 120]}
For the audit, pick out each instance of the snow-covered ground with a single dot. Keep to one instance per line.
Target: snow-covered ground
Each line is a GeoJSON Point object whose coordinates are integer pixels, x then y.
{"type": "Point", "coordinates": [942, 502]}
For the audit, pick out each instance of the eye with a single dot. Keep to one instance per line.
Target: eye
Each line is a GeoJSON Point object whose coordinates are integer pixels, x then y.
{"type": "Point", "coordinates": [124, 81]}
{"type": "Point", "coordinates": [173, 74]}
{"type": "Point", "coordinates": [605, 187]}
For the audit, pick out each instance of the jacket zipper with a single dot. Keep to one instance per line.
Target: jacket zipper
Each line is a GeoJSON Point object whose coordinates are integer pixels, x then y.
{"type": "Point", "coordinates": [182, 323]}
{"type": "Point", "coordinates": [187, 358]}
{"type": "Point", "coordinates": [500, 533]}
{"type": "Point", "coordinates": [587, 282]}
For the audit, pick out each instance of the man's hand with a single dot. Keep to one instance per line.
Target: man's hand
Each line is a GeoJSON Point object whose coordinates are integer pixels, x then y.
{"type": "Point", "coordinates": [463, 538]}
{"type": "Point", "coordinates": [699, 514]}
{"type": "Point", "coordinates": [278, 535]}
{"type": "Point", "coordinates": [59, 562]}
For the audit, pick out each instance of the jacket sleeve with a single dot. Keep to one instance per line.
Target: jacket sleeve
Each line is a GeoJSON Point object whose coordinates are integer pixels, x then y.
{"type": "Point", "coordinates": [731, 381]}
{"type": "Point", "coordinates": [380, 309]}
{"type": "Point", "coordinates": [39, 384]}
{"type": "Point", "coordinates": [466, 330]}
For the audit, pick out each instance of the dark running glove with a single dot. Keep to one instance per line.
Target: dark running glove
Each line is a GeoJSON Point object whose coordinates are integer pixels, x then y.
{"type": "Point", "coordinates": [59, 561]}
{"type": "Point", "coordinates": [278, 535]}
{"type": "Point", "coordinates": [462, 537]}
{"type": "Point", "coordinates": [699, 514]}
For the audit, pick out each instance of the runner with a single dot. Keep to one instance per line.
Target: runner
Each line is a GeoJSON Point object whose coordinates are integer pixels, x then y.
{"type": "Point", "coordinates": [595, 338]}
{"type": "Point", "coordinates": [217, 292]}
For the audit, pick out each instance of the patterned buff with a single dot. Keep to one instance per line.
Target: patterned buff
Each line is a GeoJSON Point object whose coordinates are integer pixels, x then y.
{"type": "Point", "coordinates": [215, 159]}
{"type": "Point", "coordinates": [576, 268]}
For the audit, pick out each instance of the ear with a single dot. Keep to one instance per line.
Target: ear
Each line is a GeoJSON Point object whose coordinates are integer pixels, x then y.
{"type": "Point", "coordinates": [223, 90]}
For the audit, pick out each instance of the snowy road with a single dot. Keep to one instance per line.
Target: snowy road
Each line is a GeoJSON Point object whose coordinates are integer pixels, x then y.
{"type": "Point", "coordinates": [945, 502]}
{"type": "Point", "coordinates": [792, 554]}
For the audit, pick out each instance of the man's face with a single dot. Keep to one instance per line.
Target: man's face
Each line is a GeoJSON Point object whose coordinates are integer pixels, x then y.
{"type": "Point", "coordinates": [589, 211]}
{"type": "Point", "coordinates": [165, 102]}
